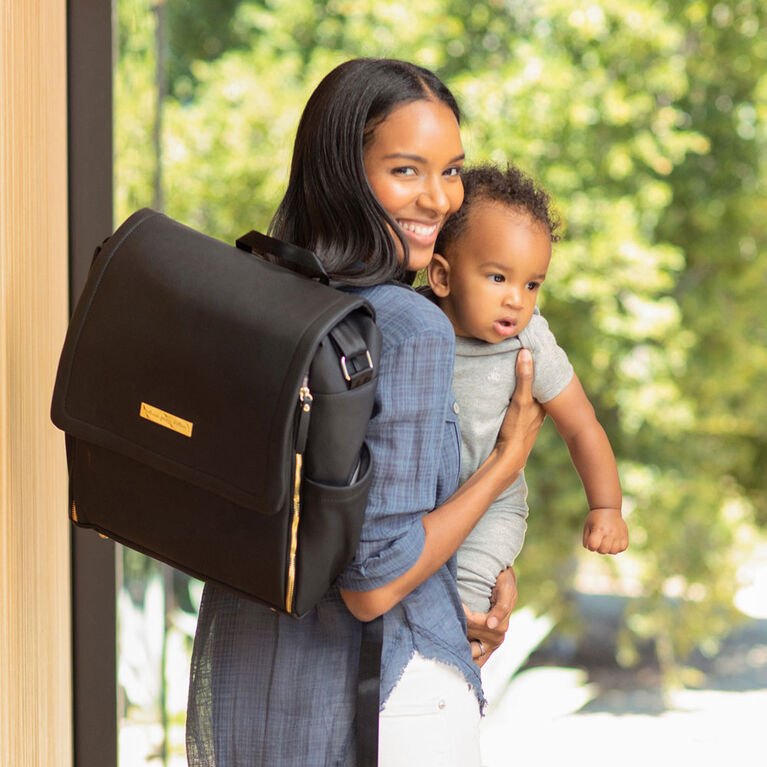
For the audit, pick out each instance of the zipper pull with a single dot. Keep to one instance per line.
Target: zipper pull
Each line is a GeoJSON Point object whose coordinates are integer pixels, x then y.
{"type": "Point", "coordinates": [305, 400]}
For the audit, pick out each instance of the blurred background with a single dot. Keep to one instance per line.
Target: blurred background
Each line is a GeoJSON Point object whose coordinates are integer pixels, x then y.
{"type": "Point", "coordinates": [647, 121]}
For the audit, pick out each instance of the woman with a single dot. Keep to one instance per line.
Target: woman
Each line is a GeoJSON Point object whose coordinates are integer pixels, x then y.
{"type": "Point", "coordinates": [375, 174]}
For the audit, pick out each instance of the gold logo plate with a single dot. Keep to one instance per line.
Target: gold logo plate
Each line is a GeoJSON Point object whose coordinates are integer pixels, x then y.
{"type": "Point", "coordinates": [168, 420]}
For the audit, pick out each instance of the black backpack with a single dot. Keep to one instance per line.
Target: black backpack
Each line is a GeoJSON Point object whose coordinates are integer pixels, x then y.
{"type": "Point", "coordinates": [215, 406]}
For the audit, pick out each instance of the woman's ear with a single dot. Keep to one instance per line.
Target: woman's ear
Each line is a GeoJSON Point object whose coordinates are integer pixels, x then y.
{"type": "Point", "coordinates": [438, 272]}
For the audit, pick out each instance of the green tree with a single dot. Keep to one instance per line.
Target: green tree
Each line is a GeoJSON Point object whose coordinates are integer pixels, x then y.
{"type": "Point", "coordinates": [646, 120]}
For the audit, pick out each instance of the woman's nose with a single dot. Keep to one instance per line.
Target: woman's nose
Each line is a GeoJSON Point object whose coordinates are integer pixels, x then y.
{"type": "Point", "coordinates": [434, 196]}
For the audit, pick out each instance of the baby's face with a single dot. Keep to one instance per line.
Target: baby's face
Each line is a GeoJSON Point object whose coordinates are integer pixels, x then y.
{"type": "Point", "coordinates": [496, 269]}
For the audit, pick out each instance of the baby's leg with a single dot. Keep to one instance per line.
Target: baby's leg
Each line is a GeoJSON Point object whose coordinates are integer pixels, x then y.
{"type": "Point", "coordinates": [491, 547]}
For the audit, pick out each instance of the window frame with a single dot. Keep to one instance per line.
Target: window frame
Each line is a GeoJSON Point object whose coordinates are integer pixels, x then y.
{"type": "Point", "coordinates": [90, 195]}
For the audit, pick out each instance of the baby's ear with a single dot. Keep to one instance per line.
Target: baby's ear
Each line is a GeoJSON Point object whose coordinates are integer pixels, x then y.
{"type": "Point", "coordinates": [438, 272]}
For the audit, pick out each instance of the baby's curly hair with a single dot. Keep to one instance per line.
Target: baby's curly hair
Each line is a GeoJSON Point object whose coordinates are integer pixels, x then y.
{"type": "Point", "coordinates": [511, 187]}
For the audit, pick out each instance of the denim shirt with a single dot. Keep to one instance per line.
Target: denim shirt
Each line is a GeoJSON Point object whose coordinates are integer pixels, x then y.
{"type": "Point", "coordinates": [267, 689]}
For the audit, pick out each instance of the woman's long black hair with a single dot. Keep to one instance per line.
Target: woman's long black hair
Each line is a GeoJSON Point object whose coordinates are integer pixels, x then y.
{"type": "Point", "coordinates": [329, 206]}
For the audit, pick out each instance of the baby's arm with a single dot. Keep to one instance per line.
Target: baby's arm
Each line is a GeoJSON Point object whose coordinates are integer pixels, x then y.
{"type": "Point", "coordinates": [604, 530]}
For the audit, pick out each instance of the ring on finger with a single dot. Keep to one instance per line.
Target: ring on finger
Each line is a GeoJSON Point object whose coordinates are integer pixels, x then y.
{"type": "Point", "coordinates": [482, 650]}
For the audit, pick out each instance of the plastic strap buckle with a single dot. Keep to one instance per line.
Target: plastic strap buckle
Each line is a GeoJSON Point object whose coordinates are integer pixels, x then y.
{"type": "Point", "coordinates": [357, 377]}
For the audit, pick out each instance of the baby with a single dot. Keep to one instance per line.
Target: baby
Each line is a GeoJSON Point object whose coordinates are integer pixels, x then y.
{"type": "Point", "coordinates": [490, 262]}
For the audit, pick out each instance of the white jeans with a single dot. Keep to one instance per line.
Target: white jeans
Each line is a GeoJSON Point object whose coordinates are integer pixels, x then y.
{"type": "Point", "coordinates": [431, 719]}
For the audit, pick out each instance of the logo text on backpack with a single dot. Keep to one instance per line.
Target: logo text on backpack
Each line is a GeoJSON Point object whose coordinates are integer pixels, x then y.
{"type": "Point", "coordinates": [168, 420]}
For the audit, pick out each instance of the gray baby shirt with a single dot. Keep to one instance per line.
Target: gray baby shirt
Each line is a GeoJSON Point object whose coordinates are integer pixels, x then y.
{"type": "Point", "coordinates": [483, 383]}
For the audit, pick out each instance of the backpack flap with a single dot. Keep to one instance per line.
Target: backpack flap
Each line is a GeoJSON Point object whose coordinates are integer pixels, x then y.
{"type": "Point", "coordinates": [174, 359]}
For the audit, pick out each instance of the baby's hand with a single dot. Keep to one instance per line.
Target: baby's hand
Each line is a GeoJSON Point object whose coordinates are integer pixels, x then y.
{"type": "Point", "coordinates": [605, 531]}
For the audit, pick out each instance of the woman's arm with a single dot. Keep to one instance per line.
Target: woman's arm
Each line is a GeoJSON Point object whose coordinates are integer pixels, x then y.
{"type": "Point", "coordinates": [446, 527]}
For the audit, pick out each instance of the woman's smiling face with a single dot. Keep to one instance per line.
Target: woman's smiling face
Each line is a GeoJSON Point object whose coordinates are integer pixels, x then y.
{"type": "Point", "coordinates": [412, 164]}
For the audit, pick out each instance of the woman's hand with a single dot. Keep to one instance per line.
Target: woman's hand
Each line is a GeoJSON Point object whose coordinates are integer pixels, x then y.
{"type": "Point", "coordinates": [524, 415]}
{"type": "Point", "coordinates": [486, 631]}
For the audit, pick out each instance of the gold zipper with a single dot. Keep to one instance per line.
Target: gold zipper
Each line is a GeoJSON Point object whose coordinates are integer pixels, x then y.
{"type": "Point", "coordinates": [294, 533]}
{"type": "Point", "coordinates": [75, 519]}
{"type": "Point", "coordinates": [305, 407]}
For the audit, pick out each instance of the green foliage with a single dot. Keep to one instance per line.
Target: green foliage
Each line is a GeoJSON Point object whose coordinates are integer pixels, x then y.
{"type": "Point", "coordinates": [648, 122]}
{"type": "Point", "coordinates": [198, 30]}
{"type": "Point", "coordinates": [135, 95]}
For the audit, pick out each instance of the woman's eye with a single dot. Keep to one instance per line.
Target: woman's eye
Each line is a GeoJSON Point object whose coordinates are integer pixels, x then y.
{"type": "Point", "coordinates": [452, 172]}
{"type": "Point", "coordinates": [404, 171]}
